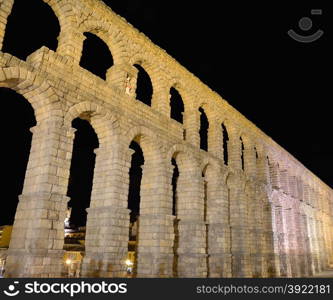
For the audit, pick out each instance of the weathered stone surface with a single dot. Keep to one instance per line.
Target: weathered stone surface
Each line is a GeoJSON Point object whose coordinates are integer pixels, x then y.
{"type": "Point", "coordinates": [261, 214]}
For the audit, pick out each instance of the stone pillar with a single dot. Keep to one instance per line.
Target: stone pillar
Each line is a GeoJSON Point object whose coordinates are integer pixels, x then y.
{"type": "Point", "coordinates": [284, 180]}
{"type": "Point", "coordinates": [287, 242]}
{"type": "Point", "coordinates": [307, 245]}
{"type": "Point", "coordinates": [192, 124]}
{"type": "Point", "coordinates": [107, 233]}
{"type": "Point", "coordinates": [238, 209]}
{"type": "Point", "coordinates": [255, 221]}
{"type": "Point", "coordinates": [300, 240]}
{"type": "Point", "coordinates": [250, 160]}
{"type": "Point", "coordinates": [323, 246]}
{"type": "Point", "coordinates": [234, 149]}
{"type": "Point", "coordinates": [315, 246]}
{"type": "Point", "coordinates": [284, 262]}
{"type": "Point", "coordinates": [124, 77]}
{"type": "Point", "coordinates": [156, 223]}
{"type": "Point", "coordinates": [292, 238]}
{"type": "Point", "coordinates": [161, 98]}
{"type": "Point", "coordinates": [311, 258]}
{"type": "Point", "coordinates": [277, 248]}
{"type": "Point", "coordinates": [254, 209]}
{"type": "Point", "coordinates": [191, 251]}
{"type": "Point", "coordinates": [36, 246]}
{"type": "Point", "coordinates": [270, 250]}
{"type": "Point", "coordinates": [219, 261]}
{"type": "Point", "coordinates": [307, 194]}
{"type": "Point", "coordinates": [215, 139]}
{"type": "Point", "coordinates": [328, 235]}
{"type": "Point", "coordinates": [70, 44]}
{"type": "Point", "coordinates": [239, 228]}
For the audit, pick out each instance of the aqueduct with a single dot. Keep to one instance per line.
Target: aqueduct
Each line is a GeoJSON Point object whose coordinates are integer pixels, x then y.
{"type": "Point", "coordinates": [242, 205]}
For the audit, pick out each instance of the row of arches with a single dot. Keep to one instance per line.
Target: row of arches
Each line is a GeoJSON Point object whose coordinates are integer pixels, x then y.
{"type": "Point", "coordinates": [96, 57]}
{"type": "Point", "coordinates": [192, 205]}
{"type": "Point", "coordinates": [81, 174]}
{"type": "Point", "coordinates": [85, 142]}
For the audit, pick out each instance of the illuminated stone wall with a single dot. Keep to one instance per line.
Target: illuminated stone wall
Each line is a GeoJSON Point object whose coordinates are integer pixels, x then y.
{"type": "Point", "coordinates": [271, 217]}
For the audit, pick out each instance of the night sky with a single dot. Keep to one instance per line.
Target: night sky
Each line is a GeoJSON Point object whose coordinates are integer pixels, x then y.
{"type": "Point", "coordinates": [242, 51]}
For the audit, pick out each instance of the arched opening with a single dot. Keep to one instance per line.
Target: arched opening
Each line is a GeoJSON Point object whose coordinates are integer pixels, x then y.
{"type": "Point", "coordinates": [242, 153]}
{"type": "Point", "coordinates": [25, 34]}
{"type": "Point", "coordinates": [225, 144]}
{"type": "Point", "coordinates": [16, 144]}
{"type": "Point", "coordinates": [135, 177]}
{"type": "Point", "coordinates": [174, 182]}
{"type": "Point", "coordinates": [177, 105]}
{"type": "Point", "coordinates": [80, 184]}
{"type": "Point", "coordinates": [16, 148]}
{"type": "Point", "coordinates": [204, 125]}
{"type": "Point", "coordinates": [96, 56]}
{"type": "Point", "coordinates": [144, 87]}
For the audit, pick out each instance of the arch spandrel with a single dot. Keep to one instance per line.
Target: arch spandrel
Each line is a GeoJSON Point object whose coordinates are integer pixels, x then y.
{"type": "Point", "coordinates": [150, 142]}
{"type": "Point", "coordinates": [112, 38]}
{"type": "Point", "coordinates": [34, 88]}
{"type": "Point", "coordinates": [104, 123]}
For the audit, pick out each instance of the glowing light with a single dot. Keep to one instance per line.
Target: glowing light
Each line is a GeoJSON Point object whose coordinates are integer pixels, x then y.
{"type": "Point", "coordinates": [68, 262]}
{"type": "Point", "coordinates": [128, 262]}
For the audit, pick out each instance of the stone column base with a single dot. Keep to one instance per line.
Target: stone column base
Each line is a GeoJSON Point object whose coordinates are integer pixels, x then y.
{"type": "Point", "coordinates": [272, 266]}
{"type": "Point", "coordinates": [106, 242]}
{"type": "Point", "coordinates": [155, 265]}
{"type": "Point", "coordinates": [192, 265]}
{"type": "Point", "coordinates": [241, 265]}
{"type": "Point", "coordinates": [220, 265]}
{"type": "Point", "coordinates": [104, 265]}
{"type": "Point", "coordinates": [285, 268]}
{"type": "Point", "coordinates": [36, 263]}
{"type": "Point", "coordinates": [257, 265]}
{"type": "Point", "coordinates": [294, 263]}
{"type": "Point", "coordinates": [155, 254]}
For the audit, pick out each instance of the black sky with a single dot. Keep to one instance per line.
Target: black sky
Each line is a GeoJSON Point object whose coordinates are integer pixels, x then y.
{"type": "Point", "coordinates": [243, 52]}
{"type": "Point", "coordinates": [239, 50]}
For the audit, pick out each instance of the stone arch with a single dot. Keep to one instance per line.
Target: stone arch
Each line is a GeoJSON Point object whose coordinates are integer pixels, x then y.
{"type": "Point", "coordinates": [59, 16]}
{"type": "Point", "coordinates": [147, 139]}
{"type": "Point", "coordinates": [68, 40]}
{"type": "Point", "coordinates": [211, 171]}
{"type": "Point", "coordinates": [105, 124]}
{"type": "Point", "coordinates": [209, 163]}
{"type": "Point", "coordinates": [176, 103]}
{"type": "Point", "coordinates": [208, 110]}
{"type": "Point", "coordinates": [186, 161]}
{"type": "Point", "coordinates": [212, 133]}
{"type": "Point", "coordinates": [204, 130]}
{"type": "Point", "coordinates": [34, 88]}
{"type": "Point", "coordinates": [17, 136]}
{"type": "Point", "coordinates": [183, 150]}
{"type": "Point", "coordinates": [189, 225]}
{"type": "Point", "coordinates": [234, 179]}
{"type": "Point", "coordinates": [157, 80]}
{"type": "Point", "coordinates": [112, 39]}
{"type": "Point", "coordinates": [96, 56]}
{"type": "Point", "coordinates": [179, 86]}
